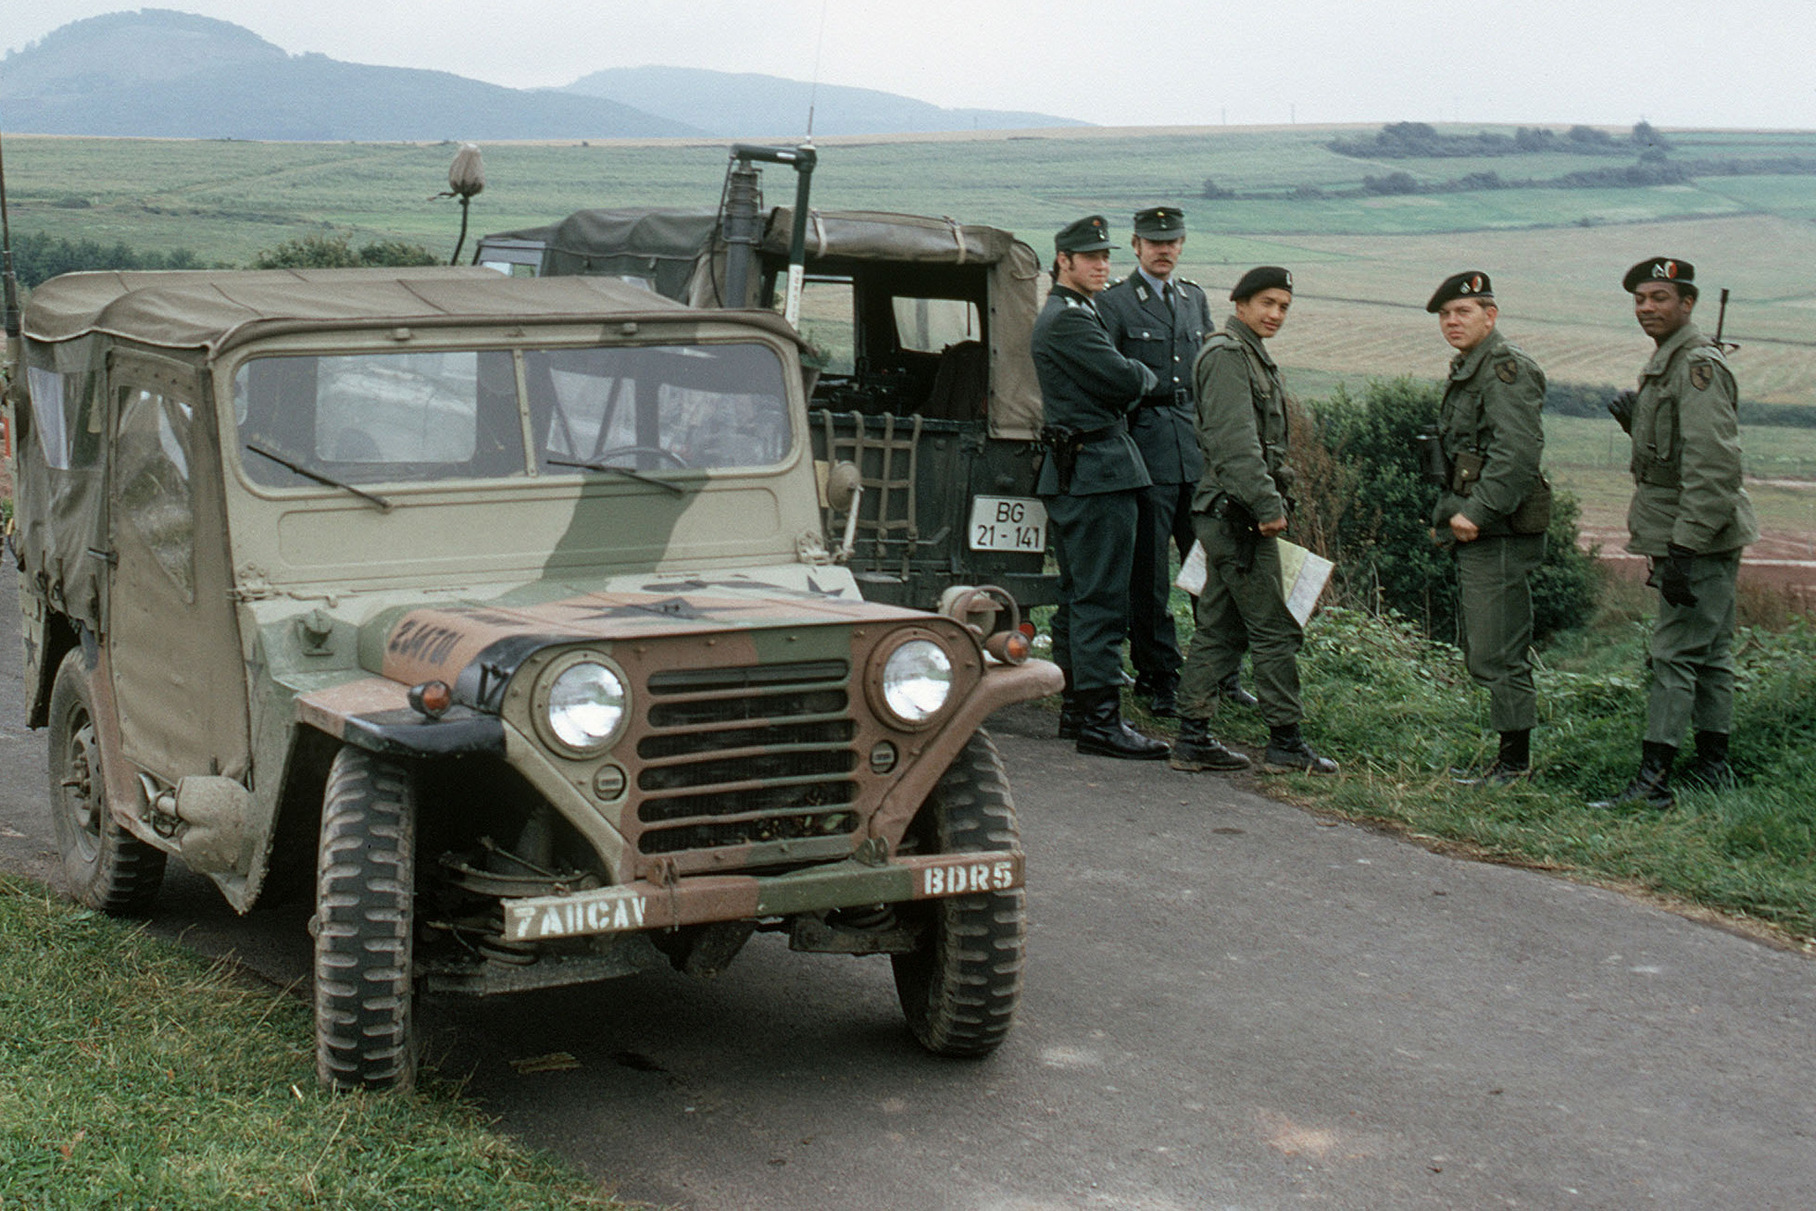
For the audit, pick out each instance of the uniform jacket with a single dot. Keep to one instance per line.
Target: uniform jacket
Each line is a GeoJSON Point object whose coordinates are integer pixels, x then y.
{"type": "Point", "coordinates": [1491, 407]}
{"type": "Point", "coordinates": [1087, 385]}
{"type": "Point", "coordinates": [1166, 340]}
{"type": "Point", "coordinates": [1241, 424]}
{"type": "Point", "coordinates": [1686, 453]}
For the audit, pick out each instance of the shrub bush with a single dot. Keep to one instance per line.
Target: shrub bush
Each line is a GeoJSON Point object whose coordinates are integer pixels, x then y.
{"type": "Point", "coordinates": [1364, 505]}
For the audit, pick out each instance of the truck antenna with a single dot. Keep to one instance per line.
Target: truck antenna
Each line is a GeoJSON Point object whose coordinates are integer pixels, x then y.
{"type": "Point", "coordinates": [1721, 320]}
{"type": "Point", "coordinates": [813, 92]}
{"type": "Point", "coordinates": [11, 279]}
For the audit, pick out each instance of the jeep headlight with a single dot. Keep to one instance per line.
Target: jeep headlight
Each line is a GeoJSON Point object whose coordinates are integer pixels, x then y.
{"type": "Point", "coordinates": [917, 681]}
{"type": "Point", "coordinates": [583, 704]}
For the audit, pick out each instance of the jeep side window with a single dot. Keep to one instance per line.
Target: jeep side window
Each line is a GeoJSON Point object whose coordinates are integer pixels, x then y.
{"type": "Point", "coordinates": [658, 407]}
{"type": "Point", "coordinates": [66, 416]}
{"type": "Point", "coordinates": [933, 325]}
{"type": "Point", "coordinates": [152, 465]}
{"type": "Point", "coordinates": [828, 322]}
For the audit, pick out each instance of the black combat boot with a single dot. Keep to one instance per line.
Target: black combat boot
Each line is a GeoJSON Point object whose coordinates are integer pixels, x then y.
{"type": "Point", "coordinates": [1163, 697]}
{"type": "Point", "coordinates": [1196, 749]}
{"type": "Point", "coordinates": [1102, 733]}
{"type": "Point", "coordinates": [1651, 787]}
{"type": "Point", "coordinates": [1710, 771]}
{"type": "Point", "coordinates": [1232, 690]}
{"type": "Point", "coordinates": [1513, 763]}
{"type": "Point", "coordinates": [1287, 753]}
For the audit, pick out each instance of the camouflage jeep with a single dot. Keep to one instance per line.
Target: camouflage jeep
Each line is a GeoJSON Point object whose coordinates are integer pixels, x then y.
{"type": "Point", "coordinates": [498, 612]}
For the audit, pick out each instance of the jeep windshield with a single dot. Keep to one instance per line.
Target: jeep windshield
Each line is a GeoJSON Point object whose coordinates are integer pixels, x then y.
{"type": "Point", "coordinates": [462, 414]}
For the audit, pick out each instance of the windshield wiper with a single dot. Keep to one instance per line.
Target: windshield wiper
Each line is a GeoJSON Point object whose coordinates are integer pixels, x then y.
{"type": "Point", "coordinates": [639, 476]}
{"type": "Point", "coordinates": [373, 497]}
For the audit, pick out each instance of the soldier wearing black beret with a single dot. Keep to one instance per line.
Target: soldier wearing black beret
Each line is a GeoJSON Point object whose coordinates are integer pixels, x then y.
{"type": "Point", "coordinates": [1091, 480]}
{"type": "Point", "coordinates": [1492, 508]}
{"type": "Point", "coordinates": [1160, 320]}
{"type": "Point", "coordinates": [1239, 510]}
{"type": "Point", "coordinates": [1690, 517]}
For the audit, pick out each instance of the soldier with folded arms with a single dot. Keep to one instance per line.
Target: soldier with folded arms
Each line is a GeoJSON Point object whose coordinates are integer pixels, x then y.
{"type": "Point", "coordinates": [1090, 481]}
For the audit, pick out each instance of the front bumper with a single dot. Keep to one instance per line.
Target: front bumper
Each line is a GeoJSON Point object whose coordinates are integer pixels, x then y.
{"type": "Point", "coordinates": [702, 899]}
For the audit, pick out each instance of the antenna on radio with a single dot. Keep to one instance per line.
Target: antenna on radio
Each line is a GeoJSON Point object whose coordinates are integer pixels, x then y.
{"type": "Point", "coordinates": [813, 92]}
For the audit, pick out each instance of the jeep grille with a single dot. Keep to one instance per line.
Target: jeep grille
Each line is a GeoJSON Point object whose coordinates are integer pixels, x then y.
{"type": "Point", "coordinates": [738, 756]}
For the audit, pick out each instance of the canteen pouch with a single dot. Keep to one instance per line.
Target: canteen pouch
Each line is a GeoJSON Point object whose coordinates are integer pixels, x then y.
{"type": "Point", "coordinates": [1465, 470]}
{"type": "Point", "coordinates": [1534, 514]}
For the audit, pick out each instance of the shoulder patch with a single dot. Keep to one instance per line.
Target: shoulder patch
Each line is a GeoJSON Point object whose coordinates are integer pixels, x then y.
{"type": "Point", "coordinates": [1701, 375]}
{"type": "Point", "coordinates": [1506, 370]}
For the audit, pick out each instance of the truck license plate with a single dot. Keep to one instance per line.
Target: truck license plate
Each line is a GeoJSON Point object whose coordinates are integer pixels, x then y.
{"type": "Point", "coordinates": [1008, 523]}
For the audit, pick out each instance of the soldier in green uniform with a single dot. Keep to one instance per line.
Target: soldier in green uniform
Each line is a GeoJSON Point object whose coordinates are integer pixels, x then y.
{"type": "Point", "coordinates": [1690, 517]}
{"type": "Point", "coordinates": [1091, 480]}
{"type": "Point", "coordinates": [1239, 511]}
{"type": "Point", "coordinates": [1492, 508]}
{"type": "Point", "coordinates": [1160, 320]}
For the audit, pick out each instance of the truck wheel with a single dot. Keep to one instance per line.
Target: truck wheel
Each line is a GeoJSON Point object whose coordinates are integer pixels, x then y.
{"type": "Point", "coordinates": [107, 867]}
{"type": "Point", "coordinates": [364, 919]}
{"type": "Point", "coordinates": [960, 985]}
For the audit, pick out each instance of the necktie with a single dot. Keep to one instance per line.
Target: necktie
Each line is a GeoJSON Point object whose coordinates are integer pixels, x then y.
{"type": "Point", "coordinates": [1166, 292]}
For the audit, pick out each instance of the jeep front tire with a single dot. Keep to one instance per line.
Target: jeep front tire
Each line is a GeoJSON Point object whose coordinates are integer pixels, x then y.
{"type": "Point", "coordinates": [960, 985]}
{"type": "Point", "coordinates": [364, 919]}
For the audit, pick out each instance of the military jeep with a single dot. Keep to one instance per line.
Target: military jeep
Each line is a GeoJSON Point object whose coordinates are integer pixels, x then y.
{"type": "Point", "coordinates": [497, 615]}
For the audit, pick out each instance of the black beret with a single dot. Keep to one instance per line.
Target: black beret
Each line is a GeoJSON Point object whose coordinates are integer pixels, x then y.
{"type": "Point", "coordinates": [1262, 277]}
{"type": "Point", "coordinates": [1661, 269]}
{"type": "Point", "coordinates": [1470, 284]}
{"type": "Point", "coordinates": [1160, 223]}
{"type": "Point", "coordinates": [1089, 234]}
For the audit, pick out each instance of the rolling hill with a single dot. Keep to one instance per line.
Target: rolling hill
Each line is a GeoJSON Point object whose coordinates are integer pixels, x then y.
{"type": "Point", "coordinates": [748, 105]}
{"type": "Point", "coordinates": [156, 72]}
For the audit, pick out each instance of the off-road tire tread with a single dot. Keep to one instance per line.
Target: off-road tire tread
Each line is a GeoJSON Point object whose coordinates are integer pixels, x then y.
{"type": "Point", "coordinates": [960, 990]}
{"type": "Point", "coordinates": [124, 876]}
{"type": "Point", "coordinates": [364, 920]}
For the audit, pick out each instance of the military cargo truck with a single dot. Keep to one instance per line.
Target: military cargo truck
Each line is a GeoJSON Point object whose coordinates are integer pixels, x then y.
{"type": "Point", "coordinates": [497, 616]}
{"type": "Point", "coordinates": [919, 329]}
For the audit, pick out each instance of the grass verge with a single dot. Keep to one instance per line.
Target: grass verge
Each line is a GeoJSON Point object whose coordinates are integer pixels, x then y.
{"type": "Point", "coordinates": [133, 1074]}
{"type": "Point", "coordinates": [1398, 710]}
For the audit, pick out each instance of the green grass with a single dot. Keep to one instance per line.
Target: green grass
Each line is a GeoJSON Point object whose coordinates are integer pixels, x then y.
{"type": "Point", "coordinates": [132, 1074]}
{"type": "Point", "coordinates": [1399, 712]}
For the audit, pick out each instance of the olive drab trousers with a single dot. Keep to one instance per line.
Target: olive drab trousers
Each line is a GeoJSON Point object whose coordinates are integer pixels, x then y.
{"type": "Point", "coordinates": [1237, 612]}
{"type": "Point", "coordinates": [1493, 575]}
{"type": "Point", "coordinates": [1692, 655]}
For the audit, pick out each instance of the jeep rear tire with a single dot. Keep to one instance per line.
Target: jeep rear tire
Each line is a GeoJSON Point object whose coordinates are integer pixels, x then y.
{"type": "Point", "coordinates": [364, 919]}
{"type": "Point", "coordinates": [959, 987]}
{"type": "Point", "coordinates": [107, 867]}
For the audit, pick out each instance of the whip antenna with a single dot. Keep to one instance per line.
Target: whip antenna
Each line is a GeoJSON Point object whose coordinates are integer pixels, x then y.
{"type": "Point", "coordinates": [813, 91]}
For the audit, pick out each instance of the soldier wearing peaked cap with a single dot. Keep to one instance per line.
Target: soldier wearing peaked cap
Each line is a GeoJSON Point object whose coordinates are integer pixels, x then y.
{"type": "Point", "coordinates": [1690, 517]}
{"type": "Point", "coordinates": [1160, 320]}
{"type": "Point", "coordinates": [1239, 510]}
{"type": "Point", "coordinates": [1493, 507]}
{"type": "Point", "coordinates": [1091, 480]}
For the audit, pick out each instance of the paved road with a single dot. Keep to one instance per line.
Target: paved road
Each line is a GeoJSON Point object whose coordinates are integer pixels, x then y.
{"type": "Point", "coordinates": [1230, 1003]}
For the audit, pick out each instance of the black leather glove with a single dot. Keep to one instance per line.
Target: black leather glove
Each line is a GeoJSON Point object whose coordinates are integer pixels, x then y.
{"type": "Point", "coordinates": [1674, 576]}
{"type": "Point", "coordinates": [1621, 408]}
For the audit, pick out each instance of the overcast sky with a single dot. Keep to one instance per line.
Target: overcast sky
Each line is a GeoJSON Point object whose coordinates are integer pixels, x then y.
{"type": "Point", "coordinates": [1112, 62]}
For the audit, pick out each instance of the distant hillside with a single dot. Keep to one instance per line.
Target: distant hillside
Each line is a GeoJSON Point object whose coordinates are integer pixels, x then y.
{"type": "Point", "coordinates": [214, 79]}
{"type": "Point", "coordinates": [746, 105]}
